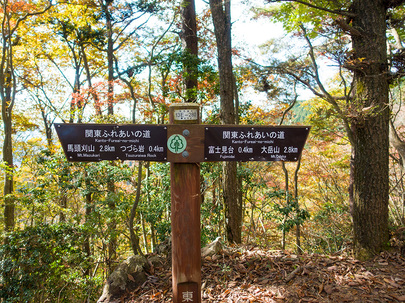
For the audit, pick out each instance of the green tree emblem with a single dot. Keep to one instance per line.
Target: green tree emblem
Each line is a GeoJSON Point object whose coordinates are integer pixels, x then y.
{"type": "Point", "coordinates": [177, 144]}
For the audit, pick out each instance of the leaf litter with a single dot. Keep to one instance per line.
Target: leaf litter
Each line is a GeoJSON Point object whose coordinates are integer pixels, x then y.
{"type": "Point", "coordinates": [247, 274]}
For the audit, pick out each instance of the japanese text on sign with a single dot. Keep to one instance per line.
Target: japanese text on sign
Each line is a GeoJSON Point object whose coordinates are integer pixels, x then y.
{"type": "Point", "coordinates": [254, 144]}
{"type": "Point", "coordinates": [256, 135]}
{"type": "Point", "coordinates": [95, 142]}
{"type": "Point", "coordinates": [187, 296]}
{"type": "Point", "coordinates": [114, 134]}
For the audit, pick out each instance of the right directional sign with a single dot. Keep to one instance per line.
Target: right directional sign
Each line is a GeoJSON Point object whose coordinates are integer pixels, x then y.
{"type": "Point", "coordinates": [254, 143]}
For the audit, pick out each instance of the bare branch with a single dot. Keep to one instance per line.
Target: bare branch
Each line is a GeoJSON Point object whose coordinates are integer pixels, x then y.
{"type": "Point", "coordinates": [59, 69]}
{"type": "Point", "coordinates": [347, 27]}
{"type": "Point", "coordinates": [396, 141]}
{"type": "Point", "coordinates": [327, 96]}
{"type": "Point", "coordinates": [30, 15]}
{"type": "Point", "coordinates": [125, 39]}
{"type": "Point", "coordinates": [151, 55]}
{"type": "Point", "coordinates": [292, 103]}
{"type": "Point", "coordinates": [332, 11]}
{"type": "Point", "coordinates": [394, 3]}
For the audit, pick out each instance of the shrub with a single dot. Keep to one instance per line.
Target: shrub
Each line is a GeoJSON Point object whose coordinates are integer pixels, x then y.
{"type": "Point", "coordinates": [45, 263]}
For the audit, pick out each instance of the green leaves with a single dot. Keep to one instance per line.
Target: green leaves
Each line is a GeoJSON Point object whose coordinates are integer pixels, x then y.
{"type": "Point", "coordinates": [317, 15]}
{"type": "Point", "coordinates": [287, 212]}
{"type": "Point", "coordinates": [37, 263]}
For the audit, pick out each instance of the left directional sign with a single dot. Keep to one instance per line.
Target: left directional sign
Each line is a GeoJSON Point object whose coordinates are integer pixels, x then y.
{"type": "Point", "coordinates": [96, 142]}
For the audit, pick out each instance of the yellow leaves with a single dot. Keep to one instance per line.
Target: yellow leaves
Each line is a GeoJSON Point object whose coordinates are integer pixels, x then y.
{"type": "Point", "coordinates": [23, 122]}
{"type": "Point", "coordinates": [35, 141]}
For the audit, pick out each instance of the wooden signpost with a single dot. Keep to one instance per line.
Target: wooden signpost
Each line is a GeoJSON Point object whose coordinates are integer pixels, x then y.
{"type": "Point", "coordinates": [184, 143]}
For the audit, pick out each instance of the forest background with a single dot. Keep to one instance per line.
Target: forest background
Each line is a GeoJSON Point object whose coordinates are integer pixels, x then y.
{"type": "Point", "coordinates": [65, 226]}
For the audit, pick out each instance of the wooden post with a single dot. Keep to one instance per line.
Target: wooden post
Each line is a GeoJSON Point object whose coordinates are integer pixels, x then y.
{"type": "Point", "coordinates": [185, 220]}
{"type": "Point", "coordinates": [184, 143]}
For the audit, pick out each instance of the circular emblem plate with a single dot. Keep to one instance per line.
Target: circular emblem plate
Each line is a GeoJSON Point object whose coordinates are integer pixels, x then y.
{"type": "Point", "coordinates": [176, 144]}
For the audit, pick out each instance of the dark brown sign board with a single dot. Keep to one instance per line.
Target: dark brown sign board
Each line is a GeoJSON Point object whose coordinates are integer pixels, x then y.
{"type": "Point", "coordinates": [181, 143]}
{"type": "Point", "coordinates": [254, 143]}
{"type": "Point", "coordinates": [96, 142]}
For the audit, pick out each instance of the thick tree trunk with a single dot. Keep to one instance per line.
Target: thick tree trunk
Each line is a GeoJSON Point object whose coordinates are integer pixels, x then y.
{"type": "Point", "coordinates": [370, 129]}
{"type": "Point", "coordinates": [233, 205]}
{"type": "Point", "coordinates": [221, 17]}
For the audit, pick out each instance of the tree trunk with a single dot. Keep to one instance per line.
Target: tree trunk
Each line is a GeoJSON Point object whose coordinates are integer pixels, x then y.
{"type": "Point", "coordinates": [190, 45]}
{"type": "Point", "coordinates": [75, 108]}
{"type": "Point", "coordinates": [152, 236]}
{"type": "Point", "coordinates": [7, 93]}
{"type": "Point", "coordinates": [144, 234]}
{"type": "Point", "coordinates": [233, 206]}
{"type": "Point", "coordinates": [110, 58]}
{"type": "Point", "coordinates": [8, 190]}
{"type": "Point", "coordinates": [287, 202]}
{"type": "Point", "coordinates": [370, 129]}
{"type": "Point", "coordinates": [112, 225]}
{"type": "Point", "coordinates": [133, 236]}
{"type": "Point", "coordinates": [7, 107]}
{"type": "Point", "coordinates": [221, 17]}
{"type": "Point", "coordinates": [89, 209]}
{"type": "Point", "coordinates": [298, 226]}
{"type": "Point", "coordinates": [92, 92]}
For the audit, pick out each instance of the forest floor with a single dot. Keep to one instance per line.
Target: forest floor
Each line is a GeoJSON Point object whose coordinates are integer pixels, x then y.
{"type": "Point", "coordinates": [256, 275]}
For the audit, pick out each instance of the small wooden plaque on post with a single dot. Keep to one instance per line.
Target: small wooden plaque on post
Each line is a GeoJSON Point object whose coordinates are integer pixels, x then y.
{"type": "Point", "coordinates": [188, 292]}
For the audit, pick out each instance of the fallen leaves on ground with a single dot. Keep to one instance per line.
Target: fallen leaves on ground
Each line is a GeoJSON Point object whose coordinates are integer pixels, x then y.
{"type": "Point", "coordinates": [255, 275]}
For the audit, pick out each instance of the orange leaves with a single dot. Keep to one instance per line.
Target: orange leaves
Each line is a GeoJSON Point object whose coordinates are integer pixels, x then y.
{"type": "Point", "coordinates": [19, 7]}
{"type": "Point", "coordinates": [99, 95]}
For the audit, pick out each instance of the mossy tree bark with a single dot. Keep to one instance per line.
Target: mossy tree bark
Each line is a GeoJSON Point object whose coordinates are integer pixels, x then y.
{"type": "Point", "coordinates": [370, 127]}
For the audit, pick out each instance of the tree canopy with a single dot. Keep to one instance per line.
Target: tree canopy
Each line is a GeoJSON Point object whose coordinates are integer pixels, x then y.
{"type": "Point", "coordinates": [339, 68]}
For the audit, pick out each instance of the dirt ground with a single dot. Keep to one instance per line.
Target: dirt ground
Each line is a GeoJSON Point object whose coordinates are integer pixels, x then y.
{"type": "Point", "coordinates": [241, 274]}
